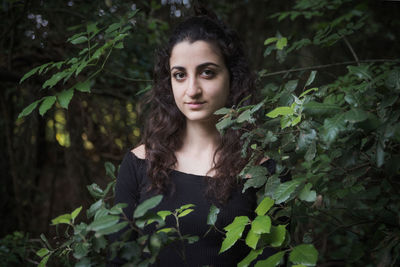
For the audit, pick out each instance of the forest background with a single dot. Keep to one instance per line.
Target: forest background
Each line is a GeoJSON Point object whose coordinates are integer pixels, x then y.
{"type": "Point", "coordinates": [340, 138]}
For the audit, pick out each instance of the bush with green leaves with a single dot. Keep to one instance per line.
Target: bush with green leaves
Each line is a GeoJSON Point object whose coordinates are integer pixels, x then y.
{"type": "Point", "coordinates": [338, 137]}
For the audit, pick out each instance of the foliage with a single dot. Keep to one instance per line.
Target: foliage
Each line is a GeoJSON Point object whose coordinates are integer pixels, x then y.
{"type": "Point", "coordinates": [338, 135]}
{"type": "Point", "coordinates": [15, 248]}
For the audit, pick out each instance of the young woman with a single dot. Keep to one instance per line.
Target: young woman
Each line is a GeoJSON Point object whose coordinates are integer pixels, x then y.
{"type": "Point", "coordinates": [202, 69]}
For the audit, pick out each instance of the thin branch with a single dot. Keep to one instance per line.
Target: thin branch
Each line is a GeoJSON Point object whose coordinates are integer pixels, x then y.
{"type": "Point", "coordinates": [329, 65]}
{"type": "Point", "coordinates": [351, 50]}
{"type": "Point", "coordinates": [127, 78]}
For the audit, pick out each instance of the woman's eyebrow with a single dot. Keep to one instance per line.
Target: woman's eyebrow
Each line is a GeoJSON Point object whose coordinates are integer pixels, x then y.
{"type": "Point", "coordinates": [201, 66]}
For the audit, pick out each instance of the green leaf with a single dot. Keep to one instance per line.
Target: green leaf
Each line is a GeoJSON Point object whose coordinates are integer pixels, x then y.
{"type": "Point", "coordinates": [272, 261]}
{"type": "Point", "coordinates": [110, 169]}
{"type": "Point", "coordinates": [80, 250]}
{"type": "Point", "coordinates": [55, 79]}
{"type": "Point", "coordinates": [252, 239]}
{"type": "Point", "coordinates": [29, 74]}
{"type": "Point", "coordinates": [47, 103]}
{"type": "Point", "coordinates": [249, 258]}
{"type": "Point", "coordinates": [111, 229]}
{"type": "Point", "coordinates": [306, 194]}
{"type": "Point", "coordinates": [103, 222]}
{"type": "Point", "coordinates": [150, 203]}
{"type": "Point", "coordinates": [355, 115]}
{"type": "Point", "coordinates": [94, 208]}
{"type": "Point", "coordinates": [311, 151]}
{"type": "Point", "coordinates": [305, 254]}
{"type": "Point", "coordinates": [164, 213]}
{"type": "Point", "coordinates": [79, 40]}
{"type": "Point", "coordinates": [261, 224]}
{"type": "Point", "coordinates": [65, 97]}
{"type": "Point", "coordinates": [223, 111]}
{"type": "Point", "coordinates": [182, 208]}
{"type": "Point", "coordinates": [264, 206]}
{"type": "Point", "coordinates": [318, 108]}
{"type": "Point", "coordinates": [83, 86]}
{"type": "Point", "coordinates": [332, 127]}
{"type": "Point", "coordinates": [245, 116]}
{"type": "Point", "coordinates": [310, 78]}
{"type": "Point", "coordinates": [393, 79]}
{"type": "Point", "coordinates": [362, 71]}
{"type": "Point", "coordinates": [26, 111]}
{"type": "Point", "coordinates": [285, 190]}
{"type": "Point", "coordinates": [270, 40]}
{"type": "Point", "coordinates": [185, 212]}
{"type": "Point", "coordinates": [257, 177]}
{"type": "Point", "coordinates": [76, 212]}
{"type": "Point", "coordinates": [281, 43]}
{"type": "Point", "coordinates": [279, 111]}
{"type": "Point", "coordinates": [44, 261]}
{"type": "Point", "coordinates": [113, 27]}
{"type": "Point", "coordinates": [276, 236]}
{"type": "Point", "coordinates": [212, 215]}
{"type": "Point", "coordinates": [95, 190]}
{"type": "Point", "coordinates": [117, 209]}
{"type": "Point", "coordinates": [84, 262]}
{"type": "Point", "coordinates": [224, 123]}
{"type": "Point", "coordinates": [65, 218]}
{"type": "Point", "coordinates": [307, 91]}
{"type": "Point", "coordinates": [234, 232]}
{"type": "Point", "coordinates": [42, 252]}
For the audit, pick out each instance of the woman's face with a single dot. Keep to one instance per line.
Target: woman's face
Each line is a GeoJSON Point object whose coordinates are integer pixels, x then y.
{"type": "Point", "coordinates": [199, 79]}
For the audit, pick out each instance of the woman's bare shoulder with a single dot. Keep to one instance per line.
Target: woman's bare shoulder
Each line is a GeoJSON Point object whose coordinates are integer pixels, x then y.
{"type": "Point", "coordinates": [139, 151]}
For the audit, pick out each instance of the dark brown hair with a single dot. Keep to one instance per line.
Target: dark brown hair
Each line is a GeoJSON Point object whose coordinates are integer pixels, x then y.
{"type": "Point", "coordinates": [165, 124]}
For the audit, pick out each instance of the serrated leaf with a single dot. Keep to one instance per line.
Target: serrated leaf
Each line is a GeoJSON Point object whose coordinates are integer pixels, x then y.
{"type": "Point", "coordinates": [355, 115]}
{"type": "Point", "coordinates": [223, 124]}
{"type": "Point", "coordinates": [272, 184]}
{"type": "Point", "coordinates": [47, 103]}
{"type": "Point", "coordinates": [264, 206]}
{"type": "Point", "coordinates": [285, 190]}
{"type": "Point", "coordinates": [252, 239]}
{"type": "Point", "coordinates": [276, 236]}
{"type": "Point", "coordinates": [332, 127]}
{"type": "Point", "coordinates": [44, 261]}
{"type": "Point", "coordinates": [103, 222]}
{"type": "Point", "coordinates": [234, 232]}
{"type": "Point", "coordinates": [55, 79]}
{"type": "Point", "coordinates": [212, 215]}
{"type": "Point", "coordinates": [80, 250]}
{"type": "Point", "coordinates": [362, 71]}
{"type": "Point", "coordinates": [245, 116]}
{"type": "Point", "coordinates": [42, 252]}
{"type": "Point", "coordinates": [318, 108]}
{"type": "Point", "coordinates": [65, 218]}
{"type": "Point", "coordinates": [76, 212]}
{"type": "Point", "coordinates": [306, 194]}
{"type": "Point", "coordinates": [111, 229]}
{"type": "Point", "coordinates": [29, 74]}
{"type": "Point", "coordinates": [113, 27]}
{"type": "Point", "coordinates": [257, 177]}
{"type": "Point", "coordinates": [272, 261]}
{"type": "Point", "coordinates": [65, 97]}
{"type": "Point", "coordinates": [279, 111]}
{"type": "Point", "coordinates": [249, 258]}
{"type": "Point", "coordinates": [83, 86]}
{"type": "Point", "coordinates": [222, 111]}
{"type": "Point", "coordinates": [261, 224]}
{"type": "Point", "coordinates": [150, 203]}
{"type": "Point", "coordinates": [305, 254]}
{"type": "Point", "coordinates": [270, 40]}
{"type": "Point", "coordinates": [311, 78]}
{"type": "Point", "coordinates": [26, 111]}
{"type": "Point", "coordinates": [79, 40]}
{"type": "Point", "coordinates": [281, 43]}
{"type": "Point", "coordinates": [110, 169]}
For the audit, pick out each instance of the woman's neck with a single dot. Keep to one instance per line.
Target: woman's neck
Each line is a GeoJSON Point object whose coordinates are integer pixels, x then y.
{"type": "Point", "coordinates": [200, 137]}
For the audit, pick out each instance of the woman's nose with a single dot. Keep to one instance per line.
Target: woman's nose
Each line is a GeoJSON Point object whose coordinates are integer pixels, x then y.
{"type": "Point", "coordinates": [193, 88]}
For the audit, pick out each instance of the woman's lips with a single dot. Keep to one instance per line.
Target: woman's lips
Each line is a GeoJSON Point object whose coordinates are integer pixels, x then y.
{"type": "Point", "coordinates": [195, 105]}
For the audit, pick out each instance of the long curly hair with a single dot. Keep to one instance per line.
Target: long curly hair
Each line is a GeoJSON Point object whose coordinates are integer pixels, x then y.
{"type": "Point", "coordinates": [165, 124]}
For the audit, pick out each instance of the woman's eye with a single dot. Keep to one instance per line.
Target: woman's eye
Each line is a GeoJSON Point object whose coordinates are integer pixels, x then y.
{"type": "Point", "coordinates": [208, 73]}
{"type": "Point", "coordinates": [179, 76]}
